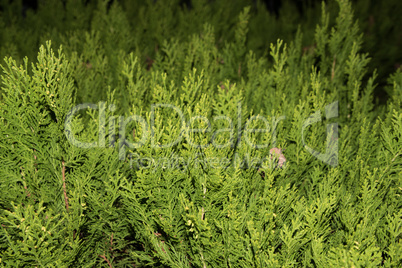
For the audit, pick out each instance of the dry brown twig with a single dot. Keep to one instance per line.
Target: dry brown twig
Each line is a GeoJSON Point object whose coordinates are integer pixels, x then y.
{"type": "Point", "coordinates": [203, 211]}
{"type": "Point", "coordinates": [64, 185]}
{"type": "Point", "coordinates": [333, 69]}
{"type": "Point", "coordinates": [275, 154]}
{"type": "Point", "coordinates": [108, 262]}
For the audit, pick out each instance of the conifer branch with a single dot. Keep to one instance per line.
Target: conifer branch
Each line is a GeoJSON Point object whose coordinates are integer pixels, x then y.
{"type": "Point", "coordinates": [25, 186]}
{"type": "Point", "coordinates": [389, 165]}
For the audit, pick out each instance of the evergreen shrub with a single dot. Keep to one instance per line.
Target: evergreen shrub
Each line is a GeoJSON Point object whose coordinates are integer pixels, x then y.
{"type": "Point", "coordinates": [135, 138]}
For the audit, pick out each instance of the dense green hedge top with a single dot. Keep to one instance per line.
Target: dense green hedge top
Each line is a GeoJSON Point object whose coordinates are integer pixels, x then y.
{"type": "Point", "coordinates": [123, 80]}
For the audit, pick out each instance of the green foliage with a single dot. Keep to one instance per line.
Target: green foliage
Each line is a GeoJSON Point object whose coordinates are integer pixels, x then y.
{"type": "Point", "coordinates": [177, 178]}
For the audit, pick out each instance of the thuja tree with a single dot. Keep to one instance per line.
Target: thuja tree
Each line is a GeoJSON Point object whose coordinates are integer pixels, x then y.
{"type": "Point", "coordinates": [163, 167]}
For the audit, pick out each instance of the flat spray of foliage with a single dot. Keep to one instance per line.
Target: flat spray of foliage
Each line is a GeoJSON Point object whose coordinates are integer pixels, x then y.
{"type": "Point", "coordinates": [66, 206]}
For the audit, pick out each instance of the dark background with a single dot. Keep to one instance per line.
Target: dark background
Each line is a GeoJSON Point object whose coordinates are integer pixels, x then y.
{"type": "Point", "coordinates": [382, 28]}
